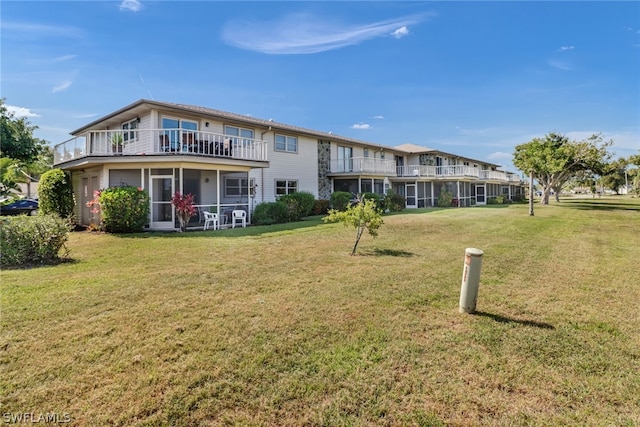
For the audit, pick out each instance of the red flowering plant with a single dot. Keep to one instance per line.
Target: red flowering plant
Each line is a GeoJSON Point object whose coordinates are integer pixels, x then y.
{"type": "Point", "coordinates": [94, 208]}
{"type": "Point", "coordinates": [184, 208]}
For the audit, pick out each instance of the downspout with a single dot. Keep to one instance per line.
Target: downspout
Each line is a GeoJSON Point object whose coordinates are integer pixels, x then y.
{"type": "Point", "coordinates": [218, 195]}
{"type": "Point", "coordinates": [262, 169]}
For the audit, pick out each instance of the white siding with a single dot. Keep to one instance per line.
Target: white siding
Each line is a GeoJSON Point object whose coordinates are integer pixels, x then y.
{"type": "Point", "coordinates": [209, 189]}
{"type": "Point", "coordinates": [301, 166]}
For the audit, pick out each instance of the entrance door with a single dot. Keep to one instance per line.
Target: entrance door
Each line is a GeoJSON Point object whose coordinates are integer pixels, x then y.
{"type": "Point", "coordinates": [481, 198]}
{"type": "Point", "coordinates": [161, 207]}
{"type": "Point", "coordinates": [410, 191]}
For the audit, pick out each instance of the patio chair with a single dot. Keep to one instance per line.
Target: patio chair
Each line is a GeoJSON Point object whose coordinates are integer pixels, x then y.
{"type": "Point", "coordinates": [238, 215]}
{"type": "Point", "coordinates": [211, 218]}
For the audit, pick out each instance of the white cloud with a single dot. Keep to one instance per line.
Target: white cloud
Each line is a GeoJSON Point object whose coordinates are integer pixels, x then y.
{"type": "Point", "coordinates": [559, 65]}
{"type": "Point", "coordinates": [624, 142]}
{"type": "Point", "coordinates": [85, 116]}
{"type": "Point", "coordinates": [29, 30]}
{"type": "Point", "coordinates": [400, 32]}
{"type": "Point", "coordinates": [306, 33]}
{"type": "Point", "coordinates": [19, 112]}
{"type": "Point", "coordinates": [64, 58]}
{"type": "Point", "coordinates": [565, 48]}
{"type": "Point", "coordinates": [131, 5]}
{"type": "Point", "coordinates": [379, 117]}
{"type": "Point", "coordinates": [361, 126]}
{"type": "Point", "coordinates": [480, 131]}
{"type": "Point", "coordinates": [61, 87]}
{"type": "Point", "coordinates": [500, 155]}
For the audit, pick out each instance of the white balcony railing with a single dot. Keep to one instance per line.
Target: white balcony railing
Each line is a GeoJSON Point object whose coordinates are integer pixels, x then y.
{"type": "Point", "coordinates": [161, 142]}
{"type": "Point", "coordinates": [493, 175]}
{"type": "Point", "coordinates": [364, 165]}
{"type": "Point", "coordinates": [457, 171]}
{"type": "Point", "coordinates": [438, 171]}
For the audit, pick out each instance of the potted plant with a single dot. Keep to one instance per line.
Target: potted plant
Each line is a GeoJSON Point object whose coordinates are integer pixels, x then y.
{"type": "Point", "coordinates": [116, 142]}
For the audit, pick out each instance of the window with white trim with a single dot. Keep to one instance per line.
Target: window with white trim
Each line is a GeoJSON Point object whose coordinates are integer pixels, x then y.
{"type": "Point", "coordinates": [236, 187]}
{"type": "Point", "coordinates": [178, 131]}
{"type": "Point", "coordinates": [286, 143]}
{"type": "Point", "coordinates": [130, 130]}
{"type": "Point", "coordinates": [286, 186]}
{"type": "Point", "coordinates": [241, 132]}
{"type": "Point", "coordinates": [345, 159]}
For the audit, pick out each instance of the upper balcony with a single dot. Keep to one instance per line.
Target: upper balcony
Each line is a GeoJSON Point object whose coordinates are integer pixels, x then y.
{"type": "Point", "coordinates": [368, 165]}
{"type": "Point", "coordinates": [142, 142]}
{"type": "Point", "coordinates": [449, 172]}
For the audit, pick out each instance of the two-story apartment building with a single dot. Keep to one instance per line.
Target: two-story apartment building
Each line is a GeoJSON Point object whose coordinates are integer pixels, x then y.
{"type": "Point", "coordinates": [230, 161]}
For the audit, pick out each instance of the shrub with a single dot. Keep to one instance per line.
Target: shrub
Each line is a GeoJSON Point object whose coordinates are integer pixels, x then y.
{"type": "Point", "coordinates": [445, 199]}
{"type": "Point", "coordinates": [340, 200]}
{"type": "Point", "coordinates": [320, 207]}
{"type": "Point", "coordinates": [29, 240]}
{"type": "Point", "coordinates": [268, 213]}
{"type": "Point", "coordinates": [498, 200]}
{"type": "Point", "coordinates": [55, 193]}
{"type": "Point", "coordinates": [124, 209]}
{"type": "Point", "coordinates": [377, 199]}
{"type": "Point", "coordinates": [299, 204]}
{"type": "Point", "coordinates": [393, 202]}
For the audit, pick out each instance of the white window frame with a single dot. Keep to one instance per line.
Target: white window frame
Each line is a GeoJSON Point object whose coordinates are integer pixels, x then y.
{"type": "Point", "coordinates": [242, 186]}
{"type": "Point", "coordinates": [345, 158]}
{"type": "Point", "coordinates": [242, 133]}
{"type": "Point", "coordinates": [287, 139]}
{"type": "Point", "coordinates": [129, 130]}
{"type": "Point", "coordinates": [288, 188]}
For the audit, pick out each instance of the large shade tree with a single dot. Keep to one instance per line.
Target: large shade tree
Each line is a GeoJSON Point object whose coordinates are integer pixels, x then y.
{"type": "Point", "coordinates": [555, 159]}
{"type": "Point", "coordinates": [17, 137]}
{"type": "Point", "coordinates": [615, 175]}
{"type": "Point", "coordinates": [24, 157]}
{"type": "Point", "coordinates": [633, 173]}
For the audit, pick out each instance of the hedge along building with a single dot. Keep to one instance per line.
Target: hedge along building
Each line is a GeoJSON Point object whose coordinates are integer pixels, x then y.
{"type": "Point", "coordinates": [230, 161]}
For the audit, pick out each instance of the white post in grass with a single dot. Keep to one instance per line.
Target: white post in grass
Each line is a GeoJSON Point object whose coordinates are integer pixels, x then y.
{"type": "Point", "coordinates": [470, 280]}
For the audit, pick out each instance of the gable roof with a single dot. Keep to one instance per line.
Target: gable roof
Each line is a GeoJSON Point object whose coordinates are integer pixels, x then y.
{"type": "Point", "coordinates": [413, 148]}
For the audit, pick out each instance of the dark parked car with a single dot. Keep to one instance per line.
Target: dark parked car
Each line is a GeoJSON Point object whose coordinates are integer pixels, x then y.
{"type": "Point", "coordinates": [23, 206]}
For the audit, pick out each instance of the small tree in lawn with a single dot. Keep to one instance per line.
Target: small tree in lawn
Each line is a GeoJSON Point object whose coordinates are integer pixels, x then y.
{"type": "Point", "coordinates": [184, 208]}
{"type": "Point", "coordinates": [363, 215]}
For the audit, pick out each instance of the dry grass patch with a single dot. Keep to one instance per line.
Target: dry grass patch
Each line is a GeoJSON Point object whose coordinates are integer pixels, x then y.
{"type": "Point", "coordinates": [280, 326]}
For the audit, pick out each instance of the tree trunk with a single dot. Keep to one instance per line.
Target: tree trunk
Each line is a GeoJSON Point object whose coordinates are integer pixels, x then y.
{"type": "Point", "coordinates": [358, 235]}
{"type": "Point", "coordinates": [544, 199]}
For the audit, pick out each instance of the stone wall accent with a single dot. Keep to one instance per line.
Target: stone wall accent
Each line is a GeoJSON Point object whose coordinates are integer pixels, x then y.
{"type": "Point", "coordinates": [324, 168]}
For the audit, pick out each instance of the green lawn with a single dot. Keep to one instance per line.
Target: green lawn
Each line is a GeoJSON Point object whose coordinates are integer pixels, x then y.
{"type": "Point", "coordinates": [281, 326]}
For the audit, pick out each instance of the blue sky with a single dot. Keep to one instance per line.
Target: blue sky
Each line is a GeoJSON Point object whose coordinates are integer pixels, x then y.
{"type": "Point", "coordinates": [471, 78]}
